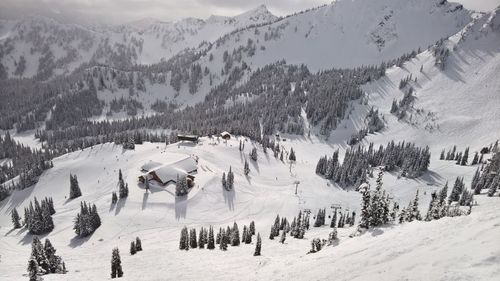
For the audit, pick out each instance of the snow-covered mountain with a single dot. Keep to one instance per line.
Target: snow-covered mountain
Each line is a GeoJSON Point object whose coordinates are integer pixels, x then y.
{"type": "Point", "coordinates": [42, 47]}
{"type": "Point", "coordinates": [451, 92]}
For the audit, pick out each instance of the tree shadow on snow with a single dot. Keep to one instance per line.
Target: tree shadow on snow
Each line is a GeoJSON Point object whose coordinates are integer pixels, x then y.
{"type": "Point", "coordinates": [145, 200]}
{"type": "Point", "coordinates": [180, 207]}
{"type": "Point", "coordinates": [229, 198]}
{"type": "Point", "coordinates": [255, 165]}
{"type": "Point", "coordinates": [119, 205]}
{"type": "Point", "coordinates": [28, 238]}
{"type": "Point", "coordinates": [78, 241]}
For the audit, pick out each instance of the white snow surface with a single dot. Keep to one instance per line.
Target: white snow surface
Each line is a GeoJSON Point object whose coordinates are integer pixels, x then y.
{"type": "Point", "coordinates": [459, 106]}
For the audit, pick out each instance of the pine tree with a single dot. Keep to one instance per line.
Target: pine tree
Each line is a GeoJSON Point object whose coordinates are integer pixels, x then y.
{"type": "Point", "coordinates": [74, 188]}
{"type": "Point", "coordinates": [192, 239]}
{"type": "Point", "coordinates": [15, 218]}
{"type": "Point", "coordinates": [441, 157]}
{"type": "Point", "coordinates": [224, 181]}
{"type": "Point", "coordinates": [116, 264]}
{"type": "Point", "coordinates": [183, 243]}
{"type": "Point", "coordinates": [494, 186]}
{"type": "Point", "coordinates": [252, 228]}
{"type": "Point", "coordinates": [465, 157]}
{"type": "Point", "coordinates": [475, 160]}
{"type": "Point", "coordinates": [138, 244]}
{"type": "Point", "coordinates": [32, 269]}
{"type": "Point", "coordinates": [365, 209]}
{"type": "Point", "coordinates": [292, 157]}
{"type": "Point", "coordinates": [211, 244]}
{"type": "Point", "coordinates": [253, 154]}
{"type": "Point", "coordinates": [223, 241]}
{"type": "Point", "coordinates": [132, 248]}
{"type": "Point", "coordinates": [230, 179]}
{"type": "Point", "coordinates": [258, 246]}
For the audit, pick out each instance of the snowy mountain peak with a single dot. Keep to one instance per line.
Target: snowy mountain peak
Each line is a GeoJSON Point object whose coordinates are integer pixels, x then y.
{"type": "Point", "coordinates": [256, 15]}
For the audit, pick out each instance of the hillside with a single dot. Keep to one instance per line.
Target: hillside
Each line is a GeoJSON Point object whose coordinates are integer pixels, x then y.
{"type": "Point", "coordinates": [455, 102]}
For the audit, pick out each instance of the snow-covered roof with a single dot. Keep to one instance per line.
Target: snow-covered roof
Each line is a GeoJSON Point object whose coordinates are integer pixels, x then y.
{"type": "Point", "coordinates": [169, 172]}
{"type": "Point", "coordinates": [225, 133]}
{"type": "Point", "coordinates": [151, 165]}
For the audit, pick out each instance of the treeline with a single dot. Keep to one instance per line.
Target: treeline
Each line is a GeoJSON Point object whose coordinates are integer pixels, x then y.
{"type": "Point", "coordinates": [488, 178]}
{"type": "Point", "coordinates": [411, 160]}
{"type": "Point", "coordinates": [37, 217]}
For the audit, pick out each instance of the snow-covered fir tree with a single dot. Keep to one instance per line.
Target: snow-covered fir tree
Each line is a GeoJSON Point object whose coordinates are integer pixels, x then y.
{"type": "Point", "coordinates": [87, 220]}
{"type": "Point", "coordinates": [258, 246]}
{"type": "Point", "coordinates": [253, 154]}
{"type": "Point", "coordinates": [74, 188]}
{"type": "Point", "coordinates": [15, 219]}
{"type": "Point", "coordinates": [116, 264]}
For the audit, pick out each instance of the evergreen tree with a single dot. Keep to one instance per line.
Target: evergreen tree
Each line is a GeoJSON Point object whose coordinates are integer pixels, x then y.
{"type": "Point", "coordinates": [465, 157]}
{"type": "Point", "coordinates": [184, 241]}
{"type": "Point", "coordinates": [292, 157]}
{"type": "Point", "coordinates": [253, 154]}
{"type": "Point", "coordinates": [33, 269]}
{"type": "Point", "coordinates": [138, 244]}
{"type": "Point", "coordinates": [366, 209]}
{"type": "Point", "coordinates": [475, 160]}
{"type": "Point", "coordinates": [192, 239]}
{"type": "Point", "coordinates": [74, 188]}
{"type": "Point", "coordinates": [252, 228]}
{"type": "Point", "coordinates": [223, 241]}
{"type": "Point", "coordinates": [230, 180]}
{"type": "Point", "coordinates": [494, 186]}
{"type": "Point", "coordinates": [15, 218]}
{"type": "Point", "coordinates": [211, 244]}
{"type": "Point", "coordinates": [235, 235]}
{"type": "Point", "coordinates": [458, 188]}
{"type": "Point", "coordinates": [224, 181]}
{"type": "Point", "coordinates": [132, 248]}
{"type": "Point", "coordinates": [116, 264]}
{"type": "Point", "coordinates": [258, 246]}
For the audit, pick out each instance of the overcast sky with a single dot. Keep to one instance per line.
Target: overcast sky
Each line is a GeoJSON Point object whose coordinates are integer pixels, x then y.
{"type": "Point", "coordinates": [119, 11]}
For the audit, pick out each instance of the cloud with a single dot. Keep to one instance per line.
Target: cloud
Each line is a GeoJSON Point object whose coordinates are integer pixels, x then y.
{"type": "Point", "coordinates": [120, 11]}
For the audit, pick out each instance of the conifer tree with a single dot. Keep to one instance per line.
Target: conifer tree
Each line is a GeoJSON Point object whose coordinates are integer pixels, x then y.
{"type": "Point", "coordinates": [138, 244]}
{"type": "Point", "coordinates": [465, 157]}
{"type": "Point", "coordinates": [184, 240]}
{"type": "Point", "coordinates": [230, 179]}
{"type": "Point", "coordinates": [116, 264]}
{"type": "Point", "coordinates": [253, 154]}
{"type": "Point", "coordinates": [224, 181]}
{"type": "Point", "coordinates": [223, 241]}
{"type": "Point", "coordinates": [74, 188]}
{"type": "Point", "coordinates": [252, 228]}
{"type": "Point", "coordinates": [192, 239]}
{"type": "Point", "coordinates": [211, 244]}
{"type": "Point", "coordinates": [132, 248]}
{"type": "Point", "coordinates": [292, 156]}
{"type": "Point", "coordinates": [258, 246]}
{"type": "Point", "coordinates": [32, 269]}
{"type": "Point", "coordinates": [15, 218]}
{"type": "Point", "coordinates": [365, 209]}
{"type": "Point", "coordinates": [333, 223]}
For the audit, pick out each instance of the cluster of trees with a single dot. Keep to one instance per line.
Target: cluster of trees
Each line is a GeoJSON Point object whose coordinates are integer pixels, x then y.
{"type": "Point", "coordinates": [410, 159]}
{"type": "Point", "coordinates": [228, 183]}
{"type": "Point", "coordinates": [87, 221]}
{"type": "Point", "coordinates": [317, 244]}
{"type": "Point", "coordinates": [401, 108]}
{"type": "Point", "coordinates": [43, 260]}
{"type": "Point", "coordinates": [74, 188]}
{"type": "Point", "coordinates": [26, 162]}
{"type": "Point", "coordinates": [225, 236]}
{"type": "Point", "coordinates": [135, 246]}
{"type": "Point", "coordinates": [373, 124]}
{"type": "Point", "coordinates": [343, 219]}
{"type": "Point", "coordinates": [297, 229]}
{"type": "Point", "coordinates": [489, 177]}
{"type": "Point", "coordinates": [37, 217]}
{"type": "Point", "coordinates": [375, 206]}
{"type": "Point", "coordinates": [461, 158]}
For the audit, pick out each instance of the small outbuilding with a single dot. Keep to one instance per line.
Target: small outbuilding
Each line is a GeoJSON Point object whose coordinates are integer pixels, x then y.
{"type": "Point", "coordinates": [225, 135]}
{"type": "Point", "coordinates": [191, 138]}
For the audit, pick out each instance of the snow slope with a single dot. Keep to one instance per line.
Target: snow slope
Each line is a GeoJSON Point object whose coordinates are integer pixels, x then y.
{"type": "Point", "coordinates": [463, 102]}
{"type": "Point", "coordinates": [144, 42]}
